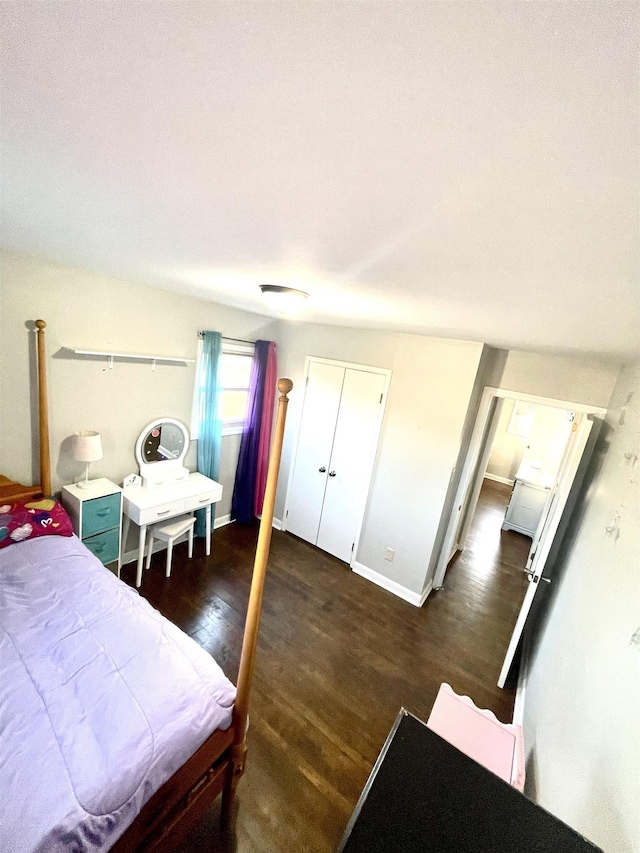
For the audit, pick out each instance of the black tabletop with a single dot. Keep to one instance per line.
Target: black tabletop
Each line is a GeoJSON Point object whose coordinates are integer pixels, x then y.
{"type": "Point", "coordinates": [425, 795]}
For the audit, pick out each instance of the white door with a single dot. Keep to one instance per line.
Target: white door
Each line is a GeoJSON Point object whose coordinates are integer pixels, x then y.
{"type": "Point", "coordinates": [315, 442]}
{"type": "Point", "coordinates": [351, 461]}
{"type": "Point", "coordinates": [549, 524]}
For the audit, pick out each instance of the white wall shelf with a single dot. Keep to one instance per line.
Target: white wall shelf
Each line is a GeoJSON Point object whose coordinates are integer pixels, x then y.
{"type": "Point", "coordinates": [129, 355]}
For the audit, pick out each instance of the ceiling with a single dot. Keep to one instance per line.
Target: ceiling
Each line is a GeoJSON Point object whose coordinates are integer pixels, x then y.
{"type": "Point", "coordinates": [463, 169]}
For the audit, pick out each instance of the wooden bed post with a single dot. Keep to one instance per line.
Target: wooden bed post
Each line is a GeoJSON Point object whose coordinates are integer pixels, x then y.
{"type": "Point", "coordinates": [43, 412]}
{"type": "Point", "coordinates": [252, 623]}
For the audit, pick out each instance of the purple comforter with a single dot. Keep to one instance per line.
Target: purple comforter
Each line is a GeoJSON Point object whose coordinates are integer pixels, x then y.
{"type": "Point", "coordinates": [101, 699]}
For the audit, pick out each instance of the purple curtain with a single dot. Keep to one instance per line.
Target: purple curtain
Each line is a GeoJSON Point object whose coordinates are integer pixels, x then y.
{"type": "Point", "coordinates": [242, 504]}
{"type": "Point", "coordinates": [264, 445]}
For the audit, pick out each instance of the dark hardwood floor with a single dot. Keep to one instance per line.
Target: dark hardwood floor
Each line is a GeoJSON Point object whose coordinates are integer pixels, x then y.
{"type": "Point", "coordinates": [337, 658]}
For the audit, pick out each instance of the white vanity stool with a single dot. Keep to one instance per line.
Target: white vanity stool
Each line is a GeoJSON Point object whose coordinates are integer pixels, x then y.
{"type": "Point", "coordinates": [169, 532]}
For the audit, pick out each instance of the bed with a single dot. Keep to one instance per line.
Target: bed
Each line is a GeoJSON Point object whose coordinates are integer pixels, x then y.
{"type": "Point", "coordinates": [116, 729]}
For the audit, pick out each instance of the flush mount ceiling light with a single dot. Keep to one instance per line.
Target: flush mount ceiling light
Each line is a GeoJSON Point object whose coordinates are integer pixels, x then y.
{"type": "Point", "coordinates": [285, 300]}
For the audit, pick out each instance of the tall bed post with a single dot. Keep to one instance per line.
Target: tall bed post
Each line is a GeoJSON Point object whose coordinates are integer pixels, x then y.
{"type": "Point", "coordinates": [252, 623]}
{"type": "Point", "coordinates": [43, 412]}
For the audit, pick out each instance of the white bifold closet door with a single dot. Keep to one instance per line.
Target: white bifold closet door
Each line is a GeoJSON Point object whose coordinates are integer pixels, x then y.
{"type": "Point", "coordinates": [315, 442]}
{"type": "Point", "coordinates": [338, 433]}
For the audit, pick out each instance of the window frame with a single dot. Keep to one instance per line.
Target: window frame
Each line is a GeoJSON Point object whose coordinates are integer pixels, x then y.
{"type": "Point", "coordinates": [521, 422]}
{"type": "Point", "coordinates": [231, 426]}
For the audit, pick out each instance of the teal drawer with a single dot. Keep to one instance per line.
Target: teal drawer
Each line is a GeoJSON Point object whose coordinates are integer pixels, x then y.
{"type": "Point", "coordinates": [100, 514]}
{"type": "Point", "coordinates": [105, 545]}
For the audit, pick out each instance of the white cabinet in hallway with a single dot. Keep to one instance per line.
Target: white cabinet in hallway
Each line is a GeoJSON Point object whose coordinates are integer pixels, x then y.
{"type": "Point", "coordinates": [339, 429]}
{"type": "Point", "coordinates": [525, 509]}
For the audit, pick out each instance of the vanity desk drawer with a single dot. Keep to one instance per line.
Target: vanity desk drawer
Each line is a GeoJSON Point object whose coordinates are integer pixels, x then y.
{"type": "Point", "coordinates": [150, 515]}
{"type": "Point", "coordinates": [199, 501]}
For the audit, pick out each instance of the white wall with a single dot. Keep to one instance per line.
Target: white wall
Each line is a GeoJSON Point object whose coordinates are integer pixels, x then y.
{"type": "Point", "coordinates": [432, 384]}
{"type": "Point", "coordinates": [576, 379]}
{"type": "Point", "coordinates": [544, 444]}
{"type": "Point", "coordinates": [582, 707]}
{"type": "Point", "coordinates": [101, 313]}
{"type": "Point", "coordinates": [507, 449]}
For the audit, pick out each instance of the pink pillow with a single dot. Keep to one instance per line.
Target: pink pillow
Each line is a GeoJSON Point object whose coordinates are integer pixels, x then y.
{"type": "Point", "coordinates": [22, 520]}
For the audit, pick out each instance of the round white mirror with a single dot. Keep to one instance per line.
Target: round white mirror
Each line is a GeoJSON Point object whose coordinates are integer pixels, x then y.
{"type": "Point", "coordinates": [161, 448]}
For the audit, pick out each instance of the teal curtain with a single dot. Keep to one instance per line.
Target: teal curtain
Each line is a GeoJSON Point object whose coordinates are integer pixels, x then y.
{"type": "Point", "coordinates": [209, 421]}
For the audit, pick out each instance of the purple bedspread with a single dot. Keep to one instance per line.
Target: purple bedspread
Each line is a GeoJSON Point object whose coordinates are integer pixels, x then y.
{"type": "Point", "coordinates": [101, 699]}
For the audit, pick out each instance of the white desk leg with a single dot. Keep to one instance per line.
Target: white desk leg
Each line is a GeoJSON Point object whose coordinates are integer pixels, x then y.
{"type": "Point", "coordinates": [207, 547]}
{"type": "Point", "coordinates": [123, 541]}
{"type": "Point", "coordinates": [141, 541]}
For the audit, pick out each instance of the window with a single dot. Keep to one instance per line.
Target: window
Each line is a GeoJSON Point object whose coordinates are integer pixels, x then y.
{"type": "Point", "coordinates": [522, 417]}
{"type": "Point", "coordinates": [235, 374]}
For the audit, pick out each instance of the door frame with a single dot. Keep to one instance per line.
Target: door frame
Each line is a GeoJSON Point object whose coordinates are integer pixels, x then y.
{"type": "Point", "coordinates": [468, 490]}
{"type": "Point", "coordinates": [348, 365]}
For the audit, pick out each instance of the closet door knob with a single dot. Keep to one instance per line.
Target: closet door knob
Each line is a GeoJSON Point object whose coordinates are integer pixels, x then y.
{"type": "Point", "coordinates": [332, 473]}
{"type": "Point", "coordinates": [322, 470]}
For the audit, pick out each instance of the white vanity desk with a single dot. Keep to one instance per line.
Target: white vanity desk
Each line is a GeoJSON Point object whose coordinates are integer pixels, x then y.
{"type": "Point", "coordinates": [146, 505]}
{"type": "Point", "coordinates": [167, 488]}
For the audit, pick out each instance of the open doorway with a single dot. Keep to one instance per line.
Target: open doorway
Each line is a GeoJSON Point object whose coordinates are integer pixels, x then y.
{"type": "Point", "coordinates": [524, 459]}
{"type": "Point", "coordinates": [521, 468]}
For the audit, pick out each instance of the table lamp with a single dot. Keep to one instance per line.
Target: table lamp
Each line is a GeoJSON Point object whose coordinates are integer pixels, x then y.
{"type": "Point", "coordinates": [87, 447]}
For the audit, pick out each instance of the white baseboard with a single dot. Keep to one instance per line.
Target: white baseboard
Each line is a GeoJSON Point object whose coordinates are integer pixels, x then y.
{"type": "Point", "coordinates": [276, 523]}
{"type": "Point", "coordinates": [426, 592]}
{"type": "Point", "coordinates": [505, 480]}
{"type": "Point", "coordinates": [132, 555]}
{"type": "Point", "coordinates": [392, 586]}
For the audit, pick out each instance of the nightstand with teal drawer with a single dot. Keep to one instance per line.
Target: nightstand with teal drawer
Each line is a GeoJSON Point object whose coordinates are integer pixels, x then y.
{"type": "Point", "coordinates": [96, 514]}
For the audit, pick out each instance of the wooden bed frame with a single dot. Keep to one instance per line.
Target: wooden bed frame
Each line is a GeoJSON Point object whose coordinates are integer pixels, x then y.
{"type": "Point", "coordinates": [216, 767]}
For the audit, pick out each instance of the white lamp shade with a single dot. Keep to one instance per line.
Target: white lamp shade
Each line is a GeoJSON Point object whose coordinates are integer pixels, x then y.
{"type": "Point", "coordinates": [87, 446]}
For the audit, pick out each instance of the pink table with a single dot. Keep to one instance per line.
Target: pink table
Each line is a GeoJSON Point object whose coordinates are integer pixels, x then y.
{"type": "Point", "coordinates": [480, 735]}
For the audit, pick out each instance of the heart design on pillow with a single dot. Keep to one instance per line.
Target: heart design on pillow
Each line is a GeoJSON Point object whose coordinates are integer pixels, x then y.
{"type": "Point", "coordinates": [35, 518]}
{"type": "Point", "coordinates": [21, 533]}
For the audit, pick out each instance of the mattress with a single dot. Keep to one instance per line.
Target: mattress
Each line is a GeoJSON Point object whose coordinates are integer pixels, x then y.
{"type": "Point", "coordinates": [102, 699]}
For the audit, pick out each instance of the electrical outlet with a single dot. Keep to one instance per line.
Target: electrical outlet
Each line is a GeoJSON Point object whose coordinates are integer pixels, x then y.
{"type": "Point", "coordinates": [389, 554]}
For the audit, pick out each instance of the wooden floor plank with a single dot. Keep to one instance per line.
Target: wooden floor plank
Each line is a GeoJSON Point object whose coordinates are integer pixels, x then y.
{"type": "Point", "coordinates": [337, 657]}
